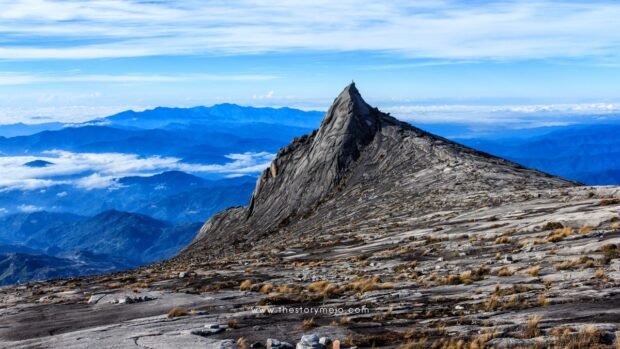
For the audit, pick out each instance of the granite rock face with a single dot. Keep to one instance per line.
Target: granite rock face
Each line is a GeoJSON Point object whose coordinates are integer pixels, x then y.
{"type": "Point", "coordinates": [358, 152]}
{"type": "Point", "coordinates": [392, 238]}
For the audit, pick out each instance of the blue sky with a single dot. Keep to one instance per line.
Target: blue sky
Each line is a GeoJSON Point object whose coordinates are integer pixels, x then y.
{"type": "Point", "coordinates": [422, 60]}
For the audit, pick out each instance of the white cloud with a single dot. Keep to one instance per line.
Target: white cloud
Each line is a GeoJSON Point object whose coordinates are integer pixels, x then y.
{"type": "Point", "coordinates": [535, 115]}
{"type": "Point", "coordinates": [68, 113]}
{"type": "Point", "coordinates": [429, 29]}
{"type": "Point", "coordinates": [13, 78]}
{"type": "Point", "coordinates": [99, 170]}
{"type": "Point", "coordinates": [29, 208]}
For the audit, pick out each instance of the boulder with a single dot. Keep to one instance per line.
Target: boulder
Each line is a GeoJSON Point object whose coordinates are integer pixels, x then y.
{"type": "Point", "coordinates": [309, 341]}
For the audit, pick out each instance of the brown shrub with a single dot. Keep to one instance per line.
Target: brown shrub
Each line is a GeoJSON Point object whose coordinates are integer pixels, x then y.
{"type": "Point", "coordinates": [369, 284]}
{"type": "Point", "coordinates": [532, 329]}
{"type": "Point", "coordinates": [560, 234]}
{"type": "Point", "coordinates": [266, 288]}
{"type": "Point", "coordinates": [308, 324]}
{"type": "Point", "coordinates": [503, 240]}
{"type": "Point", "coordinates": [534, 271]}
{"type": "Point", "coordinates": [505, 271]}
{"type": "Point", "coordinates": [177, 312]}
{"type": "Point", "coordinates": [245, 285]}
{"type": "Point", "coordinates": [586, 262]}
{"type": "Point", "coordinates": [609, 201]}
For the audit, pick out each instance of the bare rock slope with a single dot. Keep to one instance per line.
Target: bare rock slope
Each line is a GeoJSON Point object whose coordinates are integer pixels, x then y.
{"type": "Point", "coordinates": [358, 158]}
{"type": "Point", "coordinates": [369, 232]}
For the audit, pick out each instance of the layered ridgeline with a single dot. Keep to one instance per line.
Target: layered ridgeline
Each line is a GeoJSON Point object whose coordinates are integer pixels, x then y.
{"type": "Point", "coordinates": [359, 166]}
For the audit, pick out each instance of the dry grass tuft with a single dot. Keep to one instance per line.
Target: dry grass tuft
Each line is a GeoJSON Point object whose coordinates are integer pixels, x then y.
{"type": "Point", "coordinates": [609, 201]}
{"type": "Point", "coordinates": [532, 329]}
{"type": "Point", "coordinates": [308, 324]}
{"type": "Point", "coordinates": [177, 312]}
{"type": "Point", "coordinates": [325, 288]}
{"type": "Point", "coordinates": [587, 338]}
{"type": "Point", "coordinates": [560, 234]}
{"type": "Point", "coordinates": [543, 300]}
{"type": "Point", "coordinates": [369, 284]}
{"type": "Point", "coordinates": [505, 271]}
{"type": "Point", "coordinates": [266, 288]}
{"type": "Point", "coordinates": [503, 240]}
{"type": "Point", "coordinates": [600, 274]}
{"type": "Point", "coordinates": [610, 251]}
{"type": "Point", "coordinates": [288, 289]}
{"type": "Point", "coordinates": [586, 262]}
{"type": "Point", "coordinates": [245, 285]}
{"type": "Point", "coordinates": [534, 271]}
{"type": "Point", "coordinates": [243, 343]}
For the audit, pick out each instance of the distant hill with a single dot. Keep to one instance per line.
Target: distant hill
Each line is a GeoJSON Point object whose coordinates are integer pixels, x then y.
{"type": "Point", "coordinates": [132, 237]}
{"type": "Point", "coordinates": [22, 267]}
{"type": "Point", "coordinates": [21, 129]}
{"type": "Point", "coordinates": [38, 163]}
{"type": "Point", "coordinates": [190, 206]}
{"type": "Point", "coordinates": [138, 194]}
{"type": "Point", "coordinates": [162, 117]}
{"type": "Point", "coordinates": [17, 228]}
{"type": "Point", "coordinates": [586, 153]}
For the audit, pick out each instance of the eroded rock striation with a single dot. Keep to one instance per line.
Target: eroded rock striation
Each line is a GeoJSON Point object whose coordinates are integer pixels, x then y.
{"type": "Point", "coordinates": [406, 239]}
{"type": "Point", "coordinates": [359, 157]}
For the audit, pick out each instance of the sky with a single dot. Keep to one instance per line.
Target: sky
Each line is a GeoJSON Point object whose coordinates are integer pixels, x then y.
{"type": "Point", "coordinates": [70, 60]}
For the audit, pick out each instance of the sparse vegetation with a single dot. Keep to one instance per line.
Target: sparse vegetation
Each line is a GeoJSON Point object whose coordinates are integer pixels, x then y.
{"type": "Point", "coordinates": [560, 234]}
{"type": "Point", "coordinates": [243, 343]}
{"type": "Point", "coordinates": [609, 201]}
{"type": "Point", "coordinates": [585, 262]}
{"type": "Point", "coordinates": [532, 330]}
{"type": "Point", "coordinates": [245, 285]}
{"type": "Point", "coordinates": [505, 271]}
{"type": "Point", "coordinates": [534, 271]}
{"type": "Point", "coordinates": [266, 288]}
{"type": "Point", "coordinates": [369, 284]}
{"type": "Point", "coordinates": [503, 240]}
{"type": "Point", "coordinates": [600, 274]}
{"type": "Point", "coordinates": [308, 324]}
{"type": "Point", "coordinates": [177, 312]}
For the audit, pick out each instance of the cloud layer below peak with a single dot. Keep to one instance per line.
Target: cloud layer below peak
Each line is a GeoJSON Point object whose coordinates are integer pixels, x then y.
{"type": "Point", "coordinates": [98, 170]}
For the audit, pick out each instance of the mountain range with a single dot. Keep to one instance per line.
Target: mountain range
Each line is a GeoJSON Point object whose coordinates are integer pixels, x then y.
{"type": "Point", "coordinates": [388, 235]}
{"type": "Point", "coordinates": [207, 138]}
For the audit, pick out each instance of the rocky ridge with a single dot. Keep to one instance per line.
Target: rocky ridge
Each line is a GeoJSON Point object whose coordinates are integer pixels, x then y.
{"type": "Point", "coordinates": [359, 157]}
{"type": "Point", "coordinates": [408, 241]}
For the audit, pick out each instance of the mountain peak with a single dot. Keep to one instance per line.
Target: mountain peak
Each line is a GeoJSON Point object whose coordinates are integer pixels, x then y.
{"type": "Point", "coordinates": [347, 107]}
{"type": "Point", "coordinates": [361, 163]}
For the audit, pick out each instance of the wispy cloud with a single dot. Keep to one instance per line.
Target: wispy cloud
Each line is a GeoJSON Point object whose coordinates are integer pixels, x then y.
{"type": "Point", "coordinates": [512, 116]}
{"type": "Point", "coordinates": [99, 170]}
{"type": "Point", "coordinates": [29, 208]}
{"type": "Point", "coordinates": [11, 78]}
{"type": "Point", "coordinates": [72, 29]}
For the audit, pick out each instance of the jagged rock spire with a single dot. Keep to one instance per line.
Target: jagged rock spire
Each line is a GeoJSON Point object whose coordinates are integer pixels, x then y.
{"type": "Point", "coordinates": [313, 172]}
{"type": "Point", "coordinates": [360, 158]}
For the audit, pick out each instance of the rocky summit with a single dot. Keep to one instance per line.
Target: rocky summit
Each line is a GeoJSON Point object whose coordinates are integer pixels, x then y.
{"type": "Point", "coordinates": [359, 163]}
{"type": "Point", "coordinates": [368, 232]}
